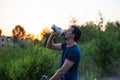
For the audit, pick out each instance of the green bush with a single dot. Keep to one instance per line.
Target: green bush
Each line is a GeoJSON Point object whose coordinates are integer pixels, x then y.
{"type": "Point", "coordinates": [89, 76]}
{"type": "Point", "coordinates": [87, 63]}
{"type": "Point", "coordinates": [28, 63]}
{"type": "Point", "coordinates": [100, 50]}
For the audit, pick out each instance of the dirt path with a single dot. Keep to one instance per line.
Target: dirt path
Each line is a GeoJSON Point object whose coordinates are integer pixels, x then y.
{"type": "Point", "coordinates": [110, 78]}
{"type": "Point", "coordinates": [113, 78]}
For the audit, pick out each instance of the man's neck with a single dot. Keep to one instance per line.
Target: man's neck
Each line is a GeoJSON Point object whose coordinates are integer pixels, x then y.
{"type": "Point", "coordinates": [70, 43]}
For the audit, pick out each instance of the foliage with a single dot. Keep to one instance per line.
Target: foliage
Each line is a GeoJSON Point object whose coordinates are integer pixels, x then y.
{"type": "Point", "coordinates": [100, 50]}
{"type": "Point", "coordinates": [28, 60]}
{"type": "Point", "coordinates": [106, 43]}
{"type": "Point", "coordinates": [27, 63]}
{"type": "Point", "coordinates": [88, 31]}
{"type": "Point", "coordinates": [89, 76]}
{"type": "Point", "coordinates": [18, 32]}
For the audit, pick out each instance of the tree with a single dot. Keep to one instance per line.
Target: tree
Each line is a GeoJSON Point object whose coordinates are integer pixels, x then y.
{"type": "Point", "coordinates": [18, 32]}
{"type": "Point", "coordinates": [88, 31]}
{"type": "Point", "coordinates": [0, 32]}
{"type": "Point", "coordinates": [117, 23]}
{"type": "Point", "coordinates": [108, 44]}
{"type": "Point", "coordinates": [101, 21]}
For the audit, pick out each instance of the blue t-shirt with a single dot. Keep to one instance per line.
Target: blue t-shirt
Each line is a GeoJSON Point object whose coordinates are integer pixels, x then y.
{"type": "Point", "coordinates": [72, 54]}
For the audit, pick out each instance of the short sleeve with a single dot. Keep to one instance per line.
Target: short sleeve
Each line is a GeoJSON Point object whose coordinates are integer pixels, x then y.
{"type": "Point", "coordinates": [73, 56]}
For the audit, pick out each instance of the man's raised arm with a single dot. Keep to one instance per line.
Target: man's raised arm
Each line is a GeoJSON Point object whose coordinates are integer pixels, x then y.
{"type": "Point", "coordinates": [51, 44]}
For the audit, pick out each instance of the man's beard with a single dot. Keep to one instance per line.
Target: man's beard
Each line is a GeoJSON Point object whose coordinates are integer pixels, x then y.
{"type": "Point", "coordinates": [65, 38]}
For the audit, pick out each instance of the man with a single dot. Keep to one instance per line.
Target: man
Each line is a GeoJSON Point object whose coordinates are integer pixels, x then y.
{"type": "Point", "coordinates": [70, 56]}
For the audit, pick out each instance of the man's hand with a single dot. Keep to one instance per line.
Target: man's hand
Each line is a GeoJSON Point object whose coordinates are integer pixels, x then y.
{"type": "Point", "coordinates": [54, 34]}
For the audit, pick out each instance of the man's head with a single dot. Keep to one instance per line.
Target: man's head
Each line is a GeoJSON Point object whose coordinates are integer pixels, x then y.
{"type": "Point", "coordinates": [76, 32]}
{"type": "Point", "coordinates": [73, 32]}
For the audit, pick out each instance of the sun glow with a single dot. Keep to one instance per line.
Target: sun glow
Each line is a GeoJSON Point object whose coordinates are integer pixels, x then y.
{"type": "Point", "coordinates": [38, 37]}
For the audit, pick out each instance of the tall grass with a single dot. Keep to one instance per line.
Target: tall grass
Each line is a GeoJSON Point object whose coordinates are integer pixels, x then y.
{"type": "Point", "coordinates": [28, 63]}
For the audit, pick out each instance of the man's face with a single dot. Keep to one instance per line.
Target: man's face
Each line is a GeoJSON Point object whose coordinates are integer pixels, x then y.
{"type": "Point", "coordinates": [68, 34]}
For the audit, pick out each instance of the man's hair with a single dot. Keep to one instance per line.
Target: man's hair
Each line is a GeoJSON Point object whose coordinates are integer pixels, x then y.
{"type": "Point", "coordinates": [77, 32]}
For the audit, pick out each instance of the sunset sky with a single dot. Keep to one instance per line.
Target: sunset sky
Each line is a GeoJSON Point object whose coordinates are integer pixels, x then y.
{"type": "Point", "coordinates": [34, 15]}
